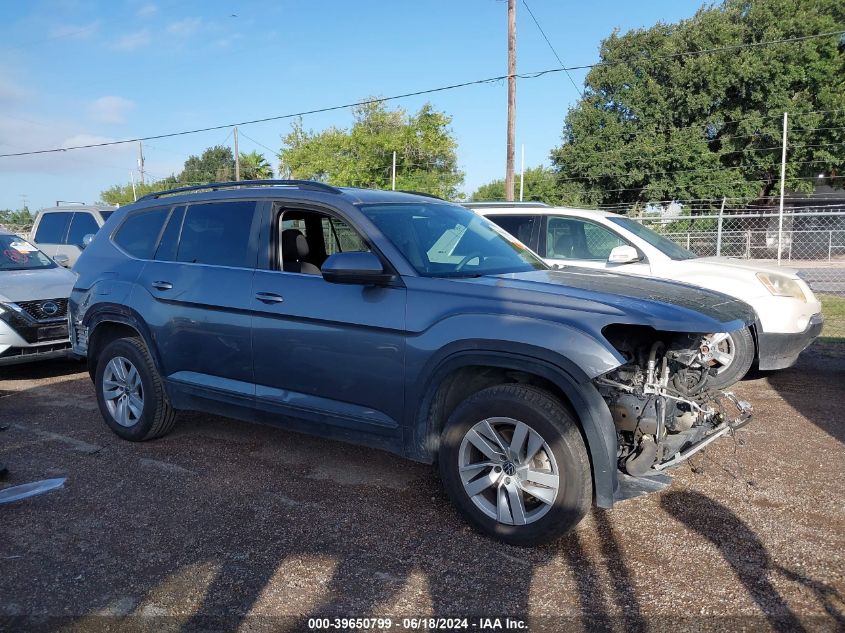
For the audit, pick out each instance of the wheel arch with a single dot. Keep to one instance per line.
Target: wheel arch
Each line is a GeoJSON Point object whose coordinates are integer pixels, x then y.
{"type": "Point", "coordinates": [466, 372]}
{"type": "Point", "coordinates": [108, 323]}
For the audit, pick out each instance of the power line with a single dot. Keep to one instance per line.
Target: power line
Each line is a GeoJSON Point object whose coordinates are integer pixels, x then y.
{"type": "Point", "coordinates": [554, 52]}
{"type": "Point", "coordinates": [476, 82]}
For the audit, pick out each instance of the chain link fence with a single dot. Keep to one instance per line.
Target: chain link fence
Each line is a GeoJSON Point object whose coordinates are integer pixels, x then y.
{"type": "Point", "coordinates": [810, 240]}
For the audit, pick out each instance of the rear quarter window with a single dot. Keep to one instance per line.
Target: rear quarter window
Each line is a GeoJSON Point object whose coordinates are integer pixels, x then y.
{"type": "Point", "coordinates": [139, 233]}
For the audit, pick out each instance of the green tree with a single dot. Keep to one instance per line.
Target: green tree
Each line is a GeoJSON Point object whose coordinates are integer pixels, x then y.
{"type": "Point", "coordinates": [19, 219]}
{"type": "Point", "coordinates": [362, 156]}
{"type": "Point", "coordinates": [655, 123]}
{"type": "Point", "coordinates": [255, 167]}
{"type": "Point", "coordinates": [540, 185]}
{"type": "Point", "coordinates": [215, 164]}
{"type": "Point", "coordinates": [124, 194]}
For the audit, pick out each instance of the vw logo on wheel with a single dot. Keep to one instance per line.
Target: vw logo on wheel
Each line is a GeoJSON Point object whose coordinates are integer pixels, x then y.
{"type": "Point", "coordinates": [50, 308]}
{"type": "Point", "coordinates": [509, 468]}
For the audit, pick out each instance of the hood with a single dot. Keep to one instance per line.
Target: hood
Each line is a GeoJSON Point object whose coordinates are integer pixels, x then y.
{"type": "Point", "coordinates": [743, 265]}
{"type": "Point", "coordinates": [664, 305]}
{"type": "Point", "coordinates": [43, 283]}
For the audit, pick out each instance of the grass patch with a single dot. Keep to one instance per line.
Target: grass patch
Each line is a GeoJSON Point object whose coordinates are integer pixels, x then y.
{"type": "Point", "coordinates": [833, 309]}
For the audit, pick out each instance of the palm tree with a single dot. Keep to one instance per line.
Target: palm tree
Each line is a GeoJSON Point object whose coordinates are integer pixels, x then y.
{"type": "Point", "coordinates": [255, 167]}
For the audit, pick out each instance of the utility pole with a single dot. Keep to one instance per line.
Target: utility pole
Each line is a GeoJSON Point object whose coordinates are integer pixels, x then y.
{"type": "Point", "coordinates": [782, 182]}
{"type": "Point", "coordinates": [141, 160]}
{"type": "Point", "coordinates": [393, 178]}
{"type": "Point", "coordinates": [522, 173]}
{"type": "Point", "coordinates": [237, 155]}
{"type": "Point", "coordinates": [134, 193]}
{"type": "Point", "coordinates": [511, 99]}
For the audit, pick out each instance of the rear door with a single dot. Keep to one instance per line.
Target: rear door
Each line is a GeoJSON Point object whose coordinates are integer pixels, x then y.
{"type": "Point", "coordinates": [195, 296]}
{"type": "Point", "coordinates": [524, 227]}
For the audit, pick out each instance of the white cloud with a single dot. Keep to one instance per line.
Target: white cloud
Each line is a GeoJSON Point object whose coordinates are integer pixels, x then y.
{"type": "Point", "coordinates": [75, 31]}
{"type": "Point", "coordinates": [132, 41]}
{"type": "Point", "coordinates": [147, 10]}
{"type": "Point", "coordinates": [21, 135]}
{"type": "Point", "coordinates": [110, 109]}
{"type": "Point", "coordinates": [187, 26]}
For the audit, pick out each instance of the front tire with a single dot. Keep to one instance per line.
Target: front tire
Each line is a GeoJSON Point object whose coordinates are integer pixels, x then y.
{"type": "Point", "coordinates": [513, 462]}
{"type": "Point", "coordinates": [733, 355]}
{"type": "Point", "coordinates": [130, 392]}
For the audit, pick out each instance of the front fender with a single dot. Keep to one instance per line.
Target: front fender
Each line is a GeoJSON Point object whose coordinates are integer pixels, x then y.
{"type": "Point", "coordinates": [593, 414]}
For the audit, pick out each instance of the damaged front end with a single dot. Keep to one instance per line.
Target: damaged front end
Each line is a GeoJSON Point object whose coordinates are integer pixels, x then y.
{"type": "Point", "coordinates": [662, 408]}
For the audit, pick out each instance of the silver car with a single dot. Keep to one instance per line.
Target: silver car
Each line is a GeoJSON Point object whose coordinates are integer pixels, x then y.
{"type": "Point", "coordinates": [33, 303]}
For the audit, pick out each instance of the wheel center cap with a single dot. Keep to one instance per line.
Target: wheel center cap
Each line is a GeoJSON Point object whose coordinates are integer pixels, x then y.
{"type": "Point", "coordinates": [509, 468]}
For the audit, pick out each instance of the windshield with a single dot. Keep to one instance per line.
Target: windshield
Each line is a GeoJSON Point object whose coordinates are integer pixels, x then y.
{"type": "Point", "coordinates": [445, 240]}
{"type": "Point", "coordinates": [18, 254]}
{"type": "Point", "coordinates": [665, 246]}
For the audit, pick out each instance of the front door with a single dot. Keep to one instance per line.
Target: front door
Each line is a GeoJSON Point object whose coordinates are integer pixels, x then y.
{"type": "Point", "coordinates": [324, 352]}
{"type": "Point", "coordinates": [571, 241]}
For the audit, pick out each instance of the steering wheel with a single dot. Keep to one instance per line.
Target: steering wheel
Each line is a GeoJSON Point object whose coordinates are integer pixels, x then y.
{"type": "Point", "coordinates": [466, 260]}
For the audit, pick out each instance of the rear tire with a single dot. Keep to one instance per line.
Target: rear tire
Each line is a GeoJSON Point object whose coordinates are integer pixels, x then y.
{"type": "Point", "coordinates": [740, 346]}
{"type": "Point", "coordinates": [130, 392]}
{"type": "Point", "coordinates": [530, 480]}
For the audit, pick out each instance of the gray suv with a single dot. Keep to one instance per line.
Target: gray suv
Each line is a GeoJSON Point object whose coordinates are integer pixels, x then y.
{"type": "Point", "coordinates": [406, 323]}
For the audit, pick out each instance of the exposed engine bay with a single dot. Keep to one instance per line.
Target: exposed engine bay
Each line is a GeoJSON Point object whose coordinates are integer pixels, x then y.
{"type": "Point", "coordinates": [661, 406]}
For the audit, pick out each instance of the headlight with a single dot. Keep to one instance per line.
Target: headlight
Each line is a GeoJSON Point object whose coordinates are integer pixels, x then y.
{"type": "Point", "coordinates": [782, 286]}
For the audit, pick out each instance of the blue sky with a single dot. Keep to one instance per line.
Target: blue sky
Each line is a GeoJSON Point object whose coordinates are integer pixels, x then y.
{"type": "Point", "coordinates": [77, 71]}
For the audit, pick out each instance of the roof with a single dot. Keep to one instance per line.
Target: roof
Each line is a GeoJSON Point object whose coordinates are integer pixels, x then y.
{"type": "Point", "coordinates": [80, 207]}
{"type": "Point", "coordinates": [544, 210]}
{"type": "Point", "coordinates": [271, 188]}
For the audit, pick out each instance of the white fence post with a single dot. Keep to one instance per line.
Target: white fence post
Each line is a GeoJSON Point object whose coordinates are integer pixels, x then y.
{"type": "Point", "coordinates": [719, 229]}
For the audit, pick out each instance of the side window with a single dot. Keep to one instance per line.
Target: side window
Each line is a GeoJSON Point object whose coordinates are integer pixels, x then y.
{"type": "Point", "coordinates": [339, 237]}
{"type": "Point", "coordinates": [218, 233]}
{"type": "Point", "coordinates": [571, 238]}
{"type": "Point", "coordinates": [169, 242]}
{"type": "Point", "coordinates": [600, 240]}
{"type": "Point", "coordinates": [82, 224]}
{"type": "Point", "coordinates": [139, 233]}
{"type": "Point", "coordinates": [52, 228]}
{"type": "Point", "coordinates": [520, 226]}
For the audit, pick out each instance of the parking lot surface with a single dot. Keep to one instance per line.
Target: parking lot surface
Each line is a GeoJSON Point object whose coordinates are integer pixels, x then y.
{"type": "Point", "coordinates": [228, 525]}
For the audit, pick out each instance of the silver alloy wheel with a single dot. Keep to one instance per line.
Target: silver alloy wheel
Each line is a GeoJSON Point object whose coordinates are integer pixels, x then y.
{"type": "Point", "coordinates": [508, 471]}
{"type": "Point", "coordinates": [722, 351]}
{"type": "Point", "coordinates": [123, 391]}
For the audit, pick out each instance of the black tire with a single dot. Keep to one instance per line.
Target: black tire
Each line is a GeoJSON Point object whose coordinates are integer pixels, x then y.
{"type": "Point", "coordinates": [157, 416]}
{"type": "Point", "coordinates": [546, 415]}
{"type": "Point", "coordinates": [742, 343]}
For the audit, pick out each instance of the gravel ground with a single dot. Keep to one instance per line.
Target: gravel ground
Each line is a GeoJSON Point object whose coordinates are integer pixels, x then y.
{"type": "Point", "coordinates": [228, 525]}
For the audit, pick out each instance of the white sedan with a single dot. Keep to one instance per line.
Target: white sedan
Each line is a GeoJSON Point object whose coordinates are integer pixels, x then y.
{"type": "Point", "coordinates": [788, 314]}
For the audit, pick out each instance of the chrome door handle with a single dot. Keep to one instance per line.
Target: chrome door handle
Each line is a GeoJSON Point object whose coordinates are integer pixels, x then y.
{"type": "Point", "coordinates": [162, 285]}
{"type": "Point", "coordinates": [269, 297]}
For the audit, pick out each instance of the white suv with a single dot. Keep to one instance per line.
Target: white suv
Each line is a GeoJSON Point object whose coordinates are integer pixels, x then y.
{"type": "Point", "coordinates": [33, 303]}
{"type": "Point", "coordinates": [789, 315]}
{"type": "Point", "coordinates": [63, 232]}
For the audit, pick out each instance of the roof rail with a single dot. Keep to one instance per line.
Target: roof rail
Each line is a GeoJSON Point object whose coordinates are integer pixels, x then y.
{"type": "Point", "coordinates": [312, 185]}
{"type": "Point", "coordinates": [495, 204]}
{"type": "Point", "coordinates": [420, 193]}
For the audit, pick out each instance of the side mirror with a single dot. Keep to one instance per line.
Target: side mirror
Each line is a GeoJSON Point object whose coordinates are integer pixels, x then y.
{"type": "Point", "coordinates": [355, 268]}
{"type": "Point", "coordinates": [87, 240]}
{"type": "Point", "coordinates": [62, 260]}
{"type": "Point", "coordinates": [623, 255]}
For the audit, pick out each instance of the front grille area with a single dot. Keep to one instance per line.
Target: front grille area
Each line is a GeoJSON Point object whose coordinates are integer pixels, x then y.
{"type": "Point", "coordinates": [20, 352]}
{"type": "Point", "coordinates": [36, 310]}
